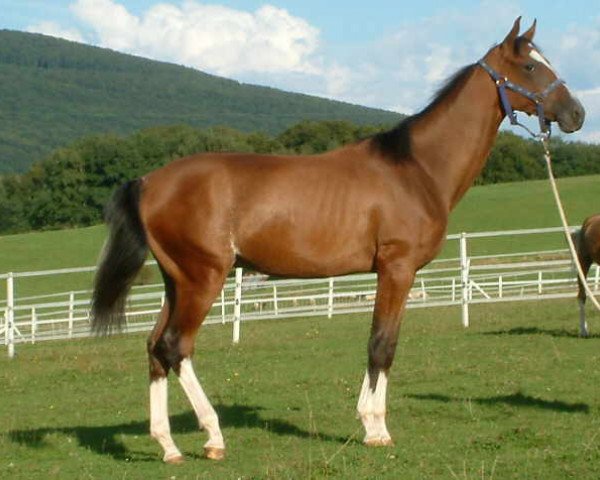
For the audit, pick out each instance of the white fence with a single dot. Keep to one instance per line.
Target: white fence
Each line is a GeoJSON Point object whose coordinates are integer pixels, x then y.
{"type": "Point", "coordinates": [470, 277]}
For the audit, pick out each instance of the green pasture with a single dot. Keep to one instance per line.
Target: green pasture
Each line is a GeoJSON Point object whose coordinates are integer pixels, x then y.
{"type": "Point", "coordinates": [515, 396]}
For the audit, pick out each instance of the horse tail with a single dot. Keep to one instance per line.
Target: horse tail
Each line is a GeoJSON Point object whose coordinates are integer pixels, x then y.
{"type": "Point", "coordinates": [123, 255]}
{"type": "Point", "coordinates": [576, 237]}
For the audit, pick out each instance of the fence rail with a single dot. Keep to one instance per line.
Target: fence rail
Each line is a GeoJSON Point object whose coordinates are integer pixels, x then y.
{"type": "Point", "coordinates": [462, 280]}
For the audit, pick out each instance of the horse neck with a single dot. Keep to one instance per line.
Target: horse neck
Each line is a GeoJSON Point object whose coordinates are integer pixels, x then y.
{"type": "Point", "coordinates": [452, 140]}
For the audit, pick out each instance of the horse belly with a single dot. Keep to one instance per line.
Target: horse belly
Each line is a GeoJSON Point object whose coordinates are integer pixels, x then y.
{"type": "Point", "coordinates": [293, 252]}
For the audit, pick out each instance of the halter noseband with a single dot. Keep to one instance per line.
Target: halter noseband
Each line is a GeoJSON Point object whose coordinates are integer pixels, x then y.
{"type": "Point", "coordinates": [538, 98]}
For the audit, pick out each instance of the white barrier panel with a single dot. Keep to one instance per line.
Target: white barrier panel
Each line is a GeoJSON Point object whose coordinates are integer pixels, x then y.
{"type": "Point", "coordinates": [482, 279]}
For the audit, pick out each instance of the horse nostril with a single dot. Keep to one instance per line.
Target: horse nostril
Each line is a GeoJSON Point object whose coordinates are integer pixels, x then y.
{"type": "Point", "coordinates": [578, 115]}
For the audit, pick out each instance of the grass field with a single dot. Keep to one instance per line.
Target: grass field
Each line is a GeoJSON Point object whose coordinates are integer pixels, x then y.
{"type": "Point", "coordinates": [513, 397]}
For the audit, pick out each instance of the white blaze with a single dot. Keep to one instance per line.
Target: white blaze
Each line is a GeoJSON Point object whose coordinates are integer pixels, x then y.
{"type": "Point", "coordinates": [538, 57]}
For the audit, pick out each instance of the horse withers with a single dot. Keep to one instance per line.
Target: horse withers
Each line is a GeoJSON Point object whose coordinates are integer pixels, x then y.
{"type": "Point", "coordinates": [587, 245]}
{"type": "Point", "coordinates": [378, 205]}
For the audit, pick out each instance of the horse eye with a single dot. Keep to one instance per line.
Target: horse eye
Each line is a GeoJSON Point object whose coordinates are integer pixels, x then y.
{"type": "Point", "coordinates": [530, 67]}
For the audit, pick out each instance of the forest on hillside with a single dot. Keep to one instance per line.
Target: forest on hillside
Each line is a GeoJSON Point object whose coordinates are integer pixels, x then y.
{"type": "Point", "coordinates": [53, 92]}
{"type": "Point", "coordinates": [70, 187]}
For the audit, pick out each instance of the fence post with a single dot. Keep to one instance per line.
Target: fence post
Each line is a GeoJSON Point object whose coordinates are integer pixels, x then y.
{"type": "Point", "coordinates": [453, 290]}
{"type": "Point", "coordinates": [330, 299]}
{"type": "Point", "coordinates": [597, 278]}
{"type": "Point", "coordinates": [33, 325]}
{"type": "Point", "coordinates": [237, 306]}
{"type": "Point", "coordinates": [71, 310]}
{"type": "Point", "coordinates": [500, 286]}
{"type": "Point", "coordinates": [223, 305]}
{"type": "Point", "coordinates": [10, 315]}
{"type": "Point", "coordinates": [275, 305]}
{"type": "Point", "coordinates": [464, 278]}
{"type": "Point", "coordinates": [540, 282]}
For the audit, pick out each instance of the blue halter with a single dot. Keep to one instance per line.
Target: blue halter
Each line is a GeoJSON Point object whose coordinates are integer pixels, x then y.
{"type": "Point", "coordinates": [538, 98]}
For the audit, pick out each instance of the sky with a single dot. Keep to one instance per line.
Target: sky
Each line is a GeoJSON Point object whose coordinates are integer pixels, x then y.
{"type": "Point", "coordinates": [379, 53]}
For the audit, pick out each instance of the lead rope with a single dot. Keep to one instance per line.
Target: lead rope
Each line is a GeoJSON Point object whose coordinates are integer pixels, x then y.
{"type": "Point", "coordinates": [502, 83]}
{"type": "Point", "coordinates": [543, 138]}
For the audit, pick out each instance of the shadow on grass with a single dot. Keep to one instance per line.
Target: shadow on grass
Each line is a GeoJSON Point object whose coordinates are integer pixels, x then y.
{"type": "Point", "coordinates": [516, 400]}
{"type": "Point", "coordinates": [552, 332]}
{"type": "Point", "coordinates": [105, 439]}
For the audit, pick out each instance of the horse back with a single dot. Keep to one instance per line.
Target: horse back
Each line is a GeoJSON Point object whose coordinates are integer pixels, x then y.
{"type": "Point", "coordinates": [307, 216]}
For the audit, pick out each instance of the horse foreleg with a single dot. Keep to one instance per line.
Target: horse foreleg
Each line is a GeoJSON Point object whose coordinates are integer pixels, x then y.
{"type": "Point", "coordinates": [371, 410]}
{"type": "Point", "coordinates": [393, 284]}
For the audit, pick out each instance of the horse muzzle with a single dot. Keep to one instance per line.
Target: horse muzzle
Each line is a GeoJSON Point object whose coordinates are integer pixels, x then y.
{"type": "Point", "coordinates": [571, 118]}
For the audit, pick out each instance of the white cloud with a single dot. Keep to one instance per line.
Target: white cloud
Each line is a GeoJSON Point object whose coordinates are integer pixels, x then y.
{"type": "Point", "coordinates": [399, 71]}
{"type": "Point", "coordinates": [407, 66]}
{"type": "Point", "coordinates": [55, 30]}
{"type": "Point", "coordinates": [213, 38]}
{"type": "Point", "coordinates": [578, 52]}
{"type": "Point", "coordinates": [437, 63]}
{"type": "Point", "coordinates": [589, 136]}
{"type": "Point", "coordinates": [338, 78]}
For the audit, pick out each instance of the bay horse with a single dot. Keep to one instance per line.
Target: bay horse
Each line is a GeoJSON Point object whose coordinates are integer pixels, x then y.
{"type": "Point", "coordinates": [378, 205]}
{"type": "Point", "coordinates": [587, 244]}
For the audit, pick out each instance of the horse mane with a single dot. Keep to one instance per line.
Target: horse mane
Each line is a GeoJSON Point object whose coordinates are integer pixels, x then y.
{"type": "Point", "coordinates": [396, 142]}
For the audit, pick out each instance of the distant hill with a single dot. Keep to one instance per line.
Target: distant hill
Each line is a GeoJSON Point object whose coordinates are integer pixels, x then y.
{"type": "Point", "coordinates": [53, 91]}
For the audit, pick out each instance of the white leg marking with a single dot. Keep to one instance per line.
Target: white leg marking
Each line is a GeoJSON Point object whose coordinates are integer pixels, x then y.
{"type": "Point", "coordinates": [207, 417]}
{"type": "Point", "coordinates": [583, 326]}
{"type": "Point", "coordinates": [371, 410]}
{"type": "Point", "coordinates": [159, 419]}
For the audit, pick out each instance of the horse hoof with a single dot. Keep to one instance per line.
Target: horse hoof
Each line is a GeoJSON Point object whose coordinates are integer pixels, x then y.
{"type": "Point", "coordinates": [214, 453]}
{"type": "Point", "coordinates": [175, 460]}
{"type": "Point", "coordinates": [379, 442]}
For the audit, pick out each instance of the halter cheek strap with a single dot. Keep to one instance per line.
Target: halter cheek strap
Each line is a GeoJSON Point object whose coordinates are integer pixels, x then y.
{"type": "Point", "coordinates": [538, 98]}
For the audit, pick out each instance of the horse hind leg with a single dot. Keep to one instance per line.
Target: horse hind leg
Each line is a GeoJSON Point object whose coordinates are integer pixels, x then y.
{"type": "Point", "coordinates": [193, 300]}
{"type": "Point", "coordinates": [160, 428]}
{"type": "Point", "coordinates": [171, 346]}
{"type": "Point", "coordinates": [208, 419]}
{"type": "Point", "coordinates": [581, 297]}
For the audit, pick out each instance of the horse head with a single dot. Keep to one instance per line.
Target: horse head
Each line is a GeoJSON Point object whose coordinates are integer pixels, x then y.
{"type": "Point", "coordinates": [527, 82]}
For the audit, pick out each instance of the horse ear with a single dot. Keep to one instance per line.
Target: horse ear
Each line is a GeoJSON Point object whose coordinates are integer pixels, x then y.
{"type": "Point", "coordinates": [531, 32]}
{"type": "Point", "coordinates": [509, 41]}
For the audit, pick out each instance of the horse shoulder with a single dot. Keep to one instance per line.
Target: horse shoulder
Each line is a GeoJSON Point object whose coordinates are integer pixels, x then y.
{"type": "Point", "coordinates": [413, 216]}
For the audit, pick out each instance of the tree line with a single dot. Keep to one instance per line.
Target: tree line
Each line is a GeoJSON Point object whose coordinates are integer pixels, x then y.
{"type": "Point", "coordinates": [70, 187]}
